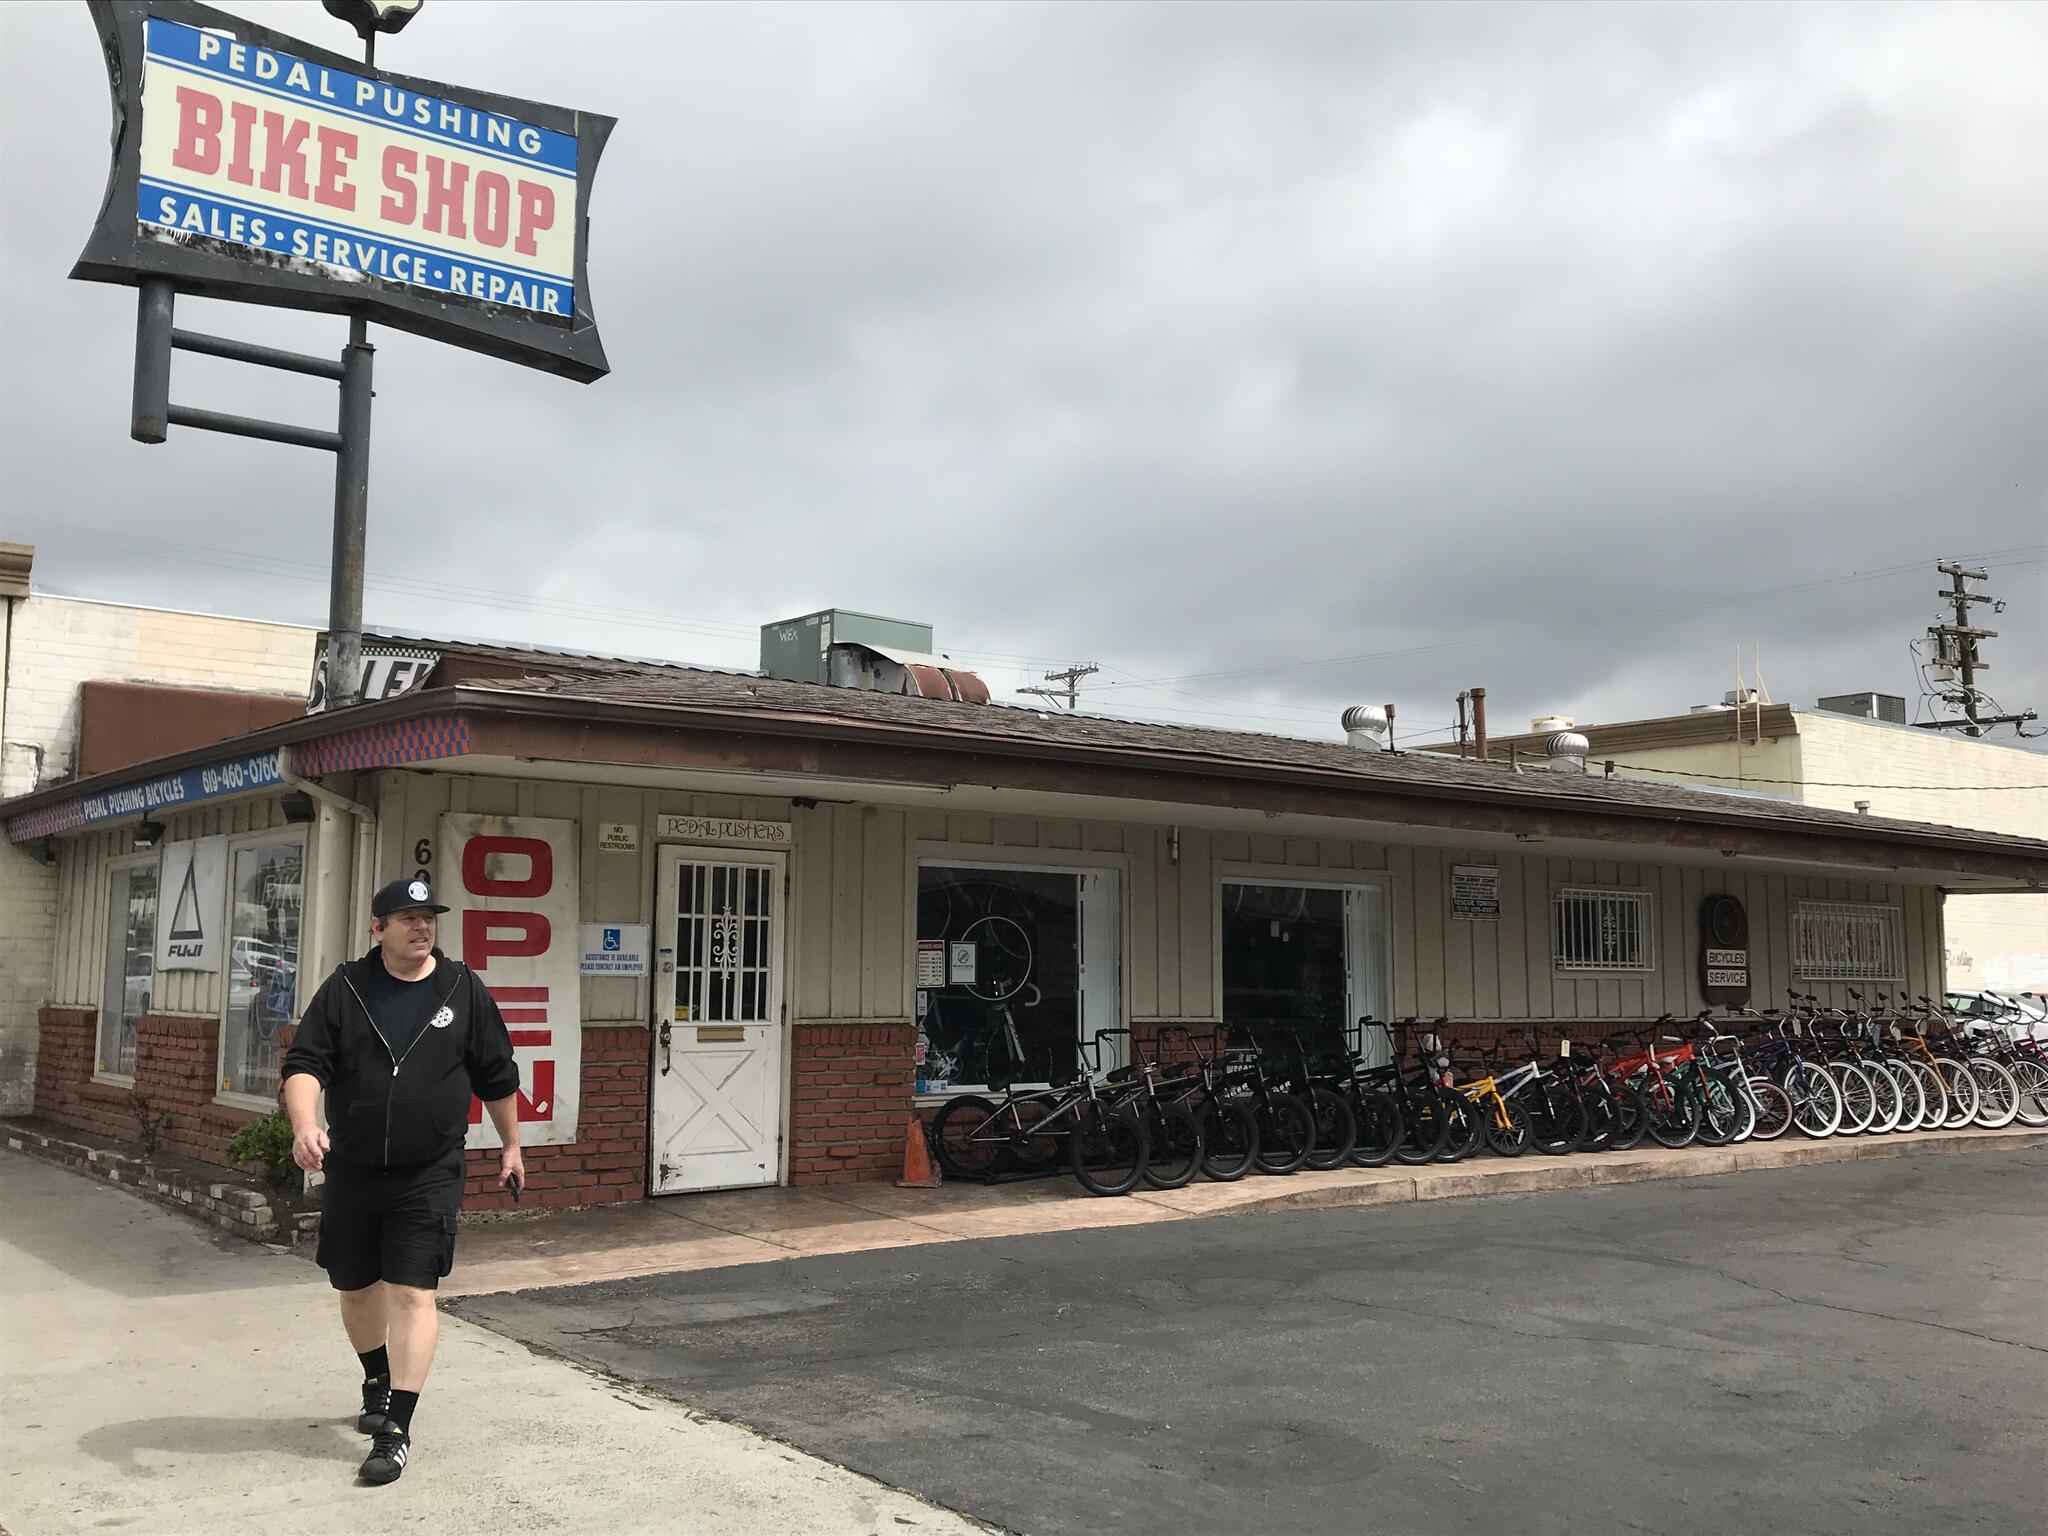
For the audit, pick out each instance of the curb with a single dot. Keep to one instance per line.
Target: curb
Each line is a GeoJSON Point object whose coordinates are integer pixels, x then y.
{"type": "Point", "coordinates": [1591, 1170]}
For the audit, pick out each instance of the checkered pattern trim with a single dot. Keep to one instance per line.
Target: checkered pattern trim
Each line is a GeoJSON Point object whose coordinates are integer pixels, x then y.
{"type": "Point", "coordinates": [383, 746]}
{"type": "Point", "coordinates": [65, 816]}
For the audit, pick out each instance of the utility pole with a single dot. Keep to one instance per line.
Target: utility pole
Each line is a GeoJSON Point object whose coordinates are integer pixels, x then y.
{"type": "Point", "coordinates": [1070, 677]}
{"type": "Point", "coordinates": [1955, 652]}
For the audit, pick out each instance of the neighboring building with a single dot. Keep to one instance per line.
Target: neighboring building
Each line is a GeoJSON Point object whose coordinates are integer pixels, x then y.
{"type": "Point", "coordinates": [743, 926]}
{"type": "Point", "coordinates": [85, 688]}
{"type": "Point", "coordinates": [1856, 752]}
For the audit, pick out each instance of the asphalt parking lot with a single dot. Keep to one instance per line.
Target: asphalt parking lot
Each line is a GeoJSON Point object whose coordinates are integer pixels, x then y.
{"type": "Point", "coordinates": [1856, 1348]}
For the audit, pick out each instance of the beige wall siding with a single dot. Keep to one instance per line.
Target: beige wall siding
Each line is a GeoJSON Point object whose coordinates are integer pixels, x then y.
{"type": "Point", "coordinates": [82, 883]}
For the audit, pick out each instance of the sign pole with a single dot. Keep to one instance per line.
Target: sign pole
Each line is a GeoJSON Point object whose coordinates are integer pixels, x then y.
{"type": "Point", "coordinates": [351, 500]}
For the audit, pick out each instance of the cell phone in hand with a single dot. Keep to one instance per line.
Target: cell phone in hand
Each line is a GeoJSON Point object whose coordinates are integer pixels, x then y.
{"type": "Point", "coordinates": [514, 1182]}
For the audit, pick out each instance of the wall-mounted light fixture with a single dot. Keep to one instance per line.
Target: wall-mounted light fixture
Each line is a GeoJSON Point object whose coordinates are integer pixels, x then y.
{"type": "Point", "coordinates": [148, 833]}
{"type": "Point", "coordinates": [297, 806]}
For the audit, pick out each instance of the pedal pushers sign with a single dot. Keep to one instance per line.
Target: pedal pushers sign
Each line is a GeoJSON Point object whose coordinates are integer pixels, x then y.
{"type": "Point", "coordinates": [510, 884]}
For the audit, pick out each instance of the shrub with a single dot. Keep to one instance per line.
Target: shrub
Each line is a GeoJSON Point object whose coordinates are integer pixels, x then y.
{"type": "Point", "coordinates": [269, 1142]}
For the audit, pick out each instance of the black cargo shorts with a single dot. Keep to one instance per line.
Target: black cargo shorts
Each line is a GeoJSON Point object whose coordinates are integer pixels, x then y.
{"type": "Point", "coordinates": [395, 1224]}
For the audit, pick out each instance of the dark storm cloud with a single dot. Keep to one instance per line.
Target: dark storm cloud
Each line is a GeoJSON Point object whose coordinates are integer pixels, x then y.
{"type": "Point", "coordinates": [1514, 345]}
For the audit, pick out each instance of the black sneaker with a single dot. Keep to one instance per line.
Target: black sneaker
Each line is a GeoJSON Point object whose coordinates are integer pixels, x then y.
{"type": "Point", "coordinates": [376, 1403]}
{"type": "Point", "coordinates": [388, 1450]}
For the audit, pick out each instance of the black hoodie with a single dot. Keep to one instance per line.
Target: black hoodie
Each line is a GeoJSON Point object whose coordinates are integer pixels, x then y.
{"type": "Point", "coordinates": [411, 1105]}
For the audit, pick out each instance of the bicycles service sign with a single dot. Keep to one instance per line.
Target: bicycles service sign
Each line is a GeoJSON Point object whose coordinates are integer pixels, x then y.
{"type": "Point", "coordinates": [254, 166]}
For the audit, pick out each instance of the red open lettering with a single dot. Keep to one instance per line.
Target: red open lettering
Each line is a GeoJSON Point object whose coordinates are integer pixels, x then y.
{"type": "Point", "coordinates": [485, 934]}
{"type": "Point", "coordinates": [479, 880]}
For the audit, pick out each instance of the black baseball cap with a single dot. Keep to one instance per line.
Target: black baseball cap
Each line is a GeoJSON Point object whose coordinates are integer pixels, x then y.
{"type": "Point", "coordinates": [404, 896]}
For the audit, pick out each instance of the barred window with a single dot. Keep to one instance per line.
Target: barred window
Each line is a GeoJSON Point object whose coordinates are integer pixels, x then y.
{"type": "Point", "coordinates": [1598, 930]}
{"type": "Point", "coordinates": [1846, 941]}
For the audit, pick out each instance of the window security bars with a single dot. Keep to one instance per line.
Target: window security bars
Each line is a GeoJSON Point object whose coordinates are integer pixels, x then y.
{"type": "Point", "coordinates": [1846, 941]}
{"type": "Point", "coordinates": [1596, 930]}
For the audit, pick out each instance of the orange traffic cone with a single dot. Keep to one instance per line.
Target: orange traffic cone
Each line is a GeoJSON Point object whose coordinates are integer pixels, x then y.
{"type": "Point", "coordinates": [918, 1172]}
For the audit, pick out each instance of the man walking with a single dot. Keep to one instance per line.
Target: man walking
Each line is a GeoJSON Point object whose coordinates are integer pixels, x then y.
{"type": "Point", "coordinates": [399, 1040]}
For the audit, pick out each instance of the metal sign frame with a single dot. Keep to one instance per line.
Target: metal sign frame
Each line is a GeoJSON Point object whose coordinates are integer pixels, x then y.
{"type": "Point", "coordinates": [120, 250]}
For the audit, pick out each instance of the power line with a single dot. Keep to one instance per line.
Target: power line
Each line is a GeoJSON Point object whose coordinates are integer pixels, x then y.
{"type": "Point", "coordinates": [1746, 778]}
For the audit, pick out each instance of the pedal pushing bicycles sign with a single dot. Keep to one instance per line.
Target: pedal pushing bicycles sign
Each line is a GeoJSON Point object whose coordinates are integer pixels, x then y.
{"type": "Point", "coordinates": [250, 165]}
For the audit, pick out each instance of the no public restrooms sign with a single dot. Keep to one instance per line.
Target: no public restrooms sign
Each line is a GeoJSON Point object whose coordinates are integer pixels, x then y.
{"type": "Point", "coordinates": [510, 885]}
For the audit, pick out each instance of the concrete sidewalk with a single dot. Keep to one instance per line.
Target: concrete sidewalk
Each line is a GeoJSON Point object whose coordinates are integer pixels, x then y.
{"type": "Point", "coordinates": [754, 1226]}
{"type": "Point", "coordinates": [160, 1379]}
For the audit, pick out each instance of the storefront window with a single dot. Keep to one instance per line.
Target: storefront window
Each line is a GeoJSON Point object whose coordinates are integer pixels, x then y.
{"type": "Point", "coordinates": [998, 948]}
{"type": "Point", "coordinates": [131, 963]}
{"type": "Point", "coordinates": [1302, 957]}
{"type": "Point", "coordinates": [263, 964]}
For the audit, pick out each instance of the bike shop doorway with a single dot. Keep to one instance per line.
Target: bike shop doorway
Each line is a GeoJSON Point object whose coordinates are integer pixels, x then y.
{"type": "Point", "coordinates": [717, 1092]}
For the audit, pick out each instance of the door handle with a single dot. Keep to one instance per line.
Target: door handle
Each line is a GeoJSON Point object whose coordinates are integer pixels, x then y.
{"type": "Point", "coordinates": [665, 1030]}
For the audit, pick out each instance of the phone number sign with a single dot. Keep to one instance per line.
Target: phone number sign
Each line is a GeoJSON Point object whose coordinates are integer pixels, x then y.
{"type": "Point", "coordinates": [209, 781]}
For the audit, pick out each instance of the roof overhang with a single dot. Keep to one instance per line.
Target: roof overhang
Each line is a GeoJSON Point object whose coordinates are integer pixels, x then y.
{"type": "Point", "coordinates": [443, 726]}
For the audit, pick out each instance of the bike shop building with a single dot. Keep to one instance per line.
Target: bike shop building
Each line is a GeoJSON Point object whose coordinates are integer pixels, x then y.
{"type": "Point", "coordinates": [742, 924]}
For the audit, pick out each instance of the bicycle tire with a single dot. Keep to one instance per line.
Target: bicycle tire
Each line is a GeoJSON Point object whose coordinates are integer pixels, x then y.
{"type": "Point", "coordinates": [1381, 1129]}
{"type": "Point", "coordinates": [960, 1158]}
{"type": "Point", "coordinates": [1175, 1150]}
{"type": "Point", "coordinates": [1468, 1129]}
{"type": "Point", "coordinates": [1631, 1122]}
{"type": "Point", "coordinates": [1674, 1120]}
{"type": "Point", "coordinates": [1287, 1133]}
{"type": "Point", "coordinates": [1887, 1102]}
{"type": "Point", "coordinates": [1963, 1092]}
{"type": "Point", "coordinates": [1429, 1122]}
{"type": "Point", "coordinates": [1773, 1109]}
{"type": "Point", "coordinates": [2033, 1080]}
{"type": "Point", "coordinates": [1816, 1100]}
{"type": "Point", "coordinates": [1998, 1093]}
{"type": "Point", "coordinates": [1108, 1150]}
{"type": "Point", "coordinates": [1512, 1139]}
{"type": "Point", "coordinates": [1912, 1097]}
{"type": "Point", "coordinates": [1720, 1118]}
{"type": "Point", "coordinates": [1557, 1121]}
{"type": "Point", "coordinates": [1230, 1140]}
{"type": "Point", "coordinates": [1934, 1093]}
{"type": "Point", "coordinates": [1859, 1099]}
{"type": "Point", "coordinates": [1336, 1130]}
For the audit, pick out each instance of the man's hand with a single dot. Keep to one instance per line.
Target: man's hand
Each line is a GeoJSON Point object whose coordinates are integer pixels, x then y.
{"type": "Point", "coordinates": [309, 1148]}
{"type": "Point", "coordinates": [511, 1165]}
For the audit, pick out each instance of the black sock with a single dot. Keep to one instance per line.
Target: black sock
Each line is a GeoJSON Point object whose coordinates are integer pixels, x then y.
{"type": "Point", "coordinates": [376, 1363]}
{"type": "Point", "coordinates": [400, 1411]}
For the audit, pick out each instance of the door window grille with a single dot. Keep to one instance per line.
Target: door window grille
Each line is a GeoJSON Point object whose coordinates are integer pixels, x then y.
{"type": "Point", "coordinates": [1846, 941]}
{"type": "Point", "coordinates": [1597, 930]}
{"type": "Point", "coordinates": [723, 943]}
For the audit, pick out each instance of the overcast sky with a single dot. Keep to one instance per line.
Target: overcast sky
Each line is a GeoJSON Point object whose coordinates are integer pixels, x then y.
{"type": "Point", "coordinates": [1275, 358]}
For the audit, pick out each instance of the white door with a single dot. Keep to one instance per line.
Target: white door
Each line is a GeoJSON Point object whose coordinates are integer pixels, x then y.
{"type": "Point", "coordinates": [717, 1100]}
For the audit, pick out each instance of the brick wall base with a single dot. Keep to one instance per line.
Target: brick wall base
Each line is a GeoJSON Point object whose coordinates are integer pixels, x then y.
{"type": "Point", "coordinates": [175, 1067]}
{"type": "Point", "coordinates": [851, 1089]}
{"type": "Point", "coordinates": [608, 1160]}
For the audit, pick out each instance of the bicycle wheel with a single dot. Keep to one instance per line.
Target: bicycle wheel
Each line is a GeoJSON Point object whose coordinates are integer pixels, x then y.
{"type": "Point", "coordinates": [1381, 1129]}
{"type": "Point", "coordinates": [1511, 1139]}
{"type": "Point", "coordinates": [1963, 1093]}
{"type": "Point", "coordinates": [1336, 1129]}
{"type": "Point", "coordinates": [1230, 1140]}
{"type": "Point", "coordinates": [1859, 1099]}
{"type": "Point", "coordinates": [968, 1144]}
{"type": "Point", "coordinates": [2032, 1077]}
{"type": "Point", "coordinates": [1557, 1120]}
{"type": "Point", "coordinates": [1287, 1133]}
{"type": "Point", "coordinates": [1998, 1093]}
{"type": "Point", "coordinates": [1030, 1149]}
{"type": "Point", "coordinates": [1886, 1102]}
{"type": "Point", "coordinates": [1176, 1146]}
{"type": "Point", "coordinates": [1673, 1114]}
{"type": "Point", "coordinates": [1816, 1100]}
{"type": "Point", "coordinates": [1468, 1128]}
{"type": "Point", "coordinates": [1773, 1109]}
{"type": "Point", "coordinates": [1429, 1124]}
{"type": "Point", "coordinates": [1933, 1093]}
{"type": "Point", "coordinates": [1912, 1098]}
{"type": "Point", "coordinates": [1631, 1122]}
{"type": "Point", "coordinates": [1745, 1106]}
{"type": "Point", "coordinates": [1108, 1150]}
{"type": "Point", "coordinates": [1720, 1118]}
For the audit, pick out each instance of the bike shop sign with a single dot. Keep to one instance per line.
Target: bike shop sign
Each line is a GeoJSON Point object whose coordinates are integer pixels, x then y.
{"type": "Point", "coordinates": [251, 165]}
{"type": "Point", "coordinates": [230, 776]}
{"type": "Point", "coordinates": [513, 906]}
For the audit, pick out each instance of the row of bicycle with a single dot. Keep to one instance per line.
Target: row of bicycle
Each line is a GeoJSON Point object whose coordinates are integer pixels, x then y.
{"type": "Point", "coordinates": [1224, 1102]}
